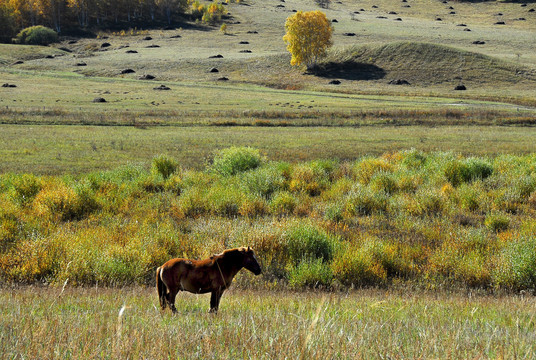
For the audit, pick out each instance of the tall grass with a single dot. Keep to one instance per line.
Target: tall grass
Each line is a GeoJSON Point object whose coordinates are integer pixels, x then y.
{"type": "Point", "coordinates": [93, 323]}
{"type": "Point", "coordinates": [433, 219]}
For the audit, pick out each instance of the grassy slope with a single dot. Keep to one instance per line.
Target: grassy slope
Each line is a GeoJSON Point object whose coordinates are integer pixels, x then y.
{"type": "Point", "coordinates": [186, 58]}
{"type": "Point", "coordinates": [429, 64]}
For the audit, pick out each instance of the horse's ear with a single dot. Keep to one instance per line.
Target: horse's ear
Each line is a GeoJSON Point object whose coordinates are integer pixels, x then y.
{"type": "Point", "coordinates": [249, 249]}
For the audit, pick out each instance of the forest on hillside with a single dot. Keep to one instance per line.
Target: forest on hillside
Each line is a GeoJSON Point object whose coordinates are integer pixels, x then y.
{"type": "Point", "coordinates": [73, 16]}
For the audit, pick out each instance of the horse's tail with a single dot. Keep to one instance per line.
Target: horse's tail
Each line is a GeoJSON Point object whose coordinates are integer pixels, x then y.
{"type": "Point", "coordinates": [161, 288]}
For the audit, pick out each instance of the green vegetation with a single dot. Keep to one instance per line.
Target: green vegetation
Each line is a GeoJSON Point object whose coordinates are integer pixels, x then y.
{"type": "Point", "coordinates": [37, 35]}
{"type": "Point", "coordinates": [235, 160]}
{"type": "Point", "coordinates": [57, 150]}
{"type": "Point", "coordinates": [426, 219]}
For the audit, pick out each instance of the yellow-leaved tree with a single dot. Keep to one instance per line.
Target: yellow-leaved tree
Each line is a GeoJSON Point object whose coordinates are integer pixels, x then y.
{"type": "Point", "coordinates": [308, 37]}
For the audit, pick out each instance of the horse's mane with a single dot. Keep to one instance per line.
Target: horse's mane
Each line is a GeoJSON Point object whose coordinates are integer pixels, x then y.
{"type": "Point", "coordinates": [225, 252]}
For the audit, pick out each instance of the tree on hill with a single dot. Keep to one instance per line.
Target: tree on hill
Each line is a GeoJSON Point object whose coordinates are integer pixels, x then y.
{"type": "Point", "coordinates": [308, 37]}
{"type": "Point", "coordinates": [7, 23]}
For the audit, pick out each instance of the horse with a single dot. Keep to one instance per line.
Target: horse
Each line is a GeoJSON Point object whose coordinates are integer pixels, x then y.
{"type": "Point", "coordinates": [213, 275]}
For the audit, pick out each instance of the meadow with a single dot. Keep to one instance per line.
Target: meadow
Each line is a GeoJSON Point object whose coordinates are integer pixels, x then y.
{"type": "Point", "coordinates": [391, 221]}
{"type": "Point", "coordinates": [368, 324]}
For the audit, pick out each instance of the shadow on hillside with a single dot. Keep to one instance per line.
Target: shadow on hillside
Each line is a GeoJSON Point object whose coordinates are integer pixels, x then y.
{"type": "Point", "coordinates": [348, 70]}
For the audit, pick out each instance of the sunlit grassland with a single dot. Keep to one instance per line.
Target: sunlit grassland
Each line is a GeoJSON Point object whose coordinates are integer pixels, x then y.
{"type": "Point", "coordinates": [363, 324]}
{"type": "Point", "coordinates": [49, 126]}
{"type": "Point", "coordinates": [80, 149]}
{"type": "Point", "coordinates": [67, 98]}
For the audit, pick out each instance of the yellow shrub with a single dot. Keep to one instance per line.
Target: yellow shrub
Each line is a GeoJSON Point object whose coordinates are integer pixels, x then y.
{"type": "Point", "coordinates": [356, 266]}
{"type": "Point", "coordinates": [366, 168]}
{"type": "Point", "coordinates": [464, 258]}
{"type": "Point", "coordinates": [253, 207]}
{"type": "Point", "coordinates": [9, 222]}
{"type": "Point", "coordinates": [57, 202]}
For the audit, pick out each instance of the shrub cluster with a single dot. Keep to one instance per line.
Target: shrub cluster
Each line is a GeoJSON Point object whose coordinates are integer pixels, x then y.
{"type": "Point", "coordinates": [432, 218]}
{"type": "Point", "coordinates": [209, 14]}
{"type": "Point", "coordinates": [37, 35]}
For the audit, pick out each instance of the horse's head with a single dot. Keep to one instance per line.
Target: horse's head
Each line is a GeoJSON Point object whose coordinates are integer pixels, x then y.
{"type": "Point", "coordinates": [250, 260]}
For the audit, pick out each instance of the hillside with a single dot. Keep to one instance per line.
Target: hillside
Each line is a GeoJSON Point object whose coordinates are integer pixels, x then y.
{"type": "Point", "coordinates": [421, 64]}
{"type": "Point", "coordinates": [391, 35]}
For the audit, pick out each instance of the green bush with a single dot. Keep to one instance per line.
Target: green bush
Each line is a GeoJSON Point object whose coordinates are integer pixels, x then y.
{"type": "Point", "coordinates": [153, 183]}
{"type": "Point", "coordinates": [263, 181]}
{"type": "Point", "coordinates": [164, 165]}
{"type": "Point", "coordinates": [525, 186]}
{"type": "Point", "coordinates": [358, 267]}
{"type": "Point", "coordinates": [478, 169]}
{"type": "Point", "coordinates": [174, 184]}
{"type": "Point", "coordinates": [122, 176]}
{"type": "Point", "coordinates": [308, 242]}
{"type": "Point", "coordinates": [497, 222]}
{"type": "Point", "coordinates": [224, 200]}
{"type": "Point", "coordinates": [413, 159]}
{"type": "Point", "coordinates": [37, 35]}
{"type": "Point", "coordinates": [469, 197]}
{"type": "Point", "coordinates": [234, 160]}
{"type": "Point", "coordinates": [25, 187]}
{"type": "Point", "coordinates": [9, 223]}
{"type": "Point", "coordinates": [192, 203]}
{"type": "Point", "coordinates": [120, 265]}
{"type": "Point", "coordinates": [389, 257]}
{"type": "Point", "coordinates": [334, 212]}
{"type": "Point", "coordinates": [311, 178]}
{"type": "Point", "coordinates": [283, 203]}
{"type": "Point", "coordinates": [467, 170]}
{"type": "Point", "coordinates": [363, 201]}
{"type": "Point", "coordinates": [516, 267]}
{"type": "Point", "coordinates": [365, 169]}
{"type": "Point", "coordinates": [311, 273]}
{"type": "Point", "coordinates": [465, 257]}
{"type": "Point", "coordinates": [383, 182]}
{"type": "Point", "coordinates": [428, 201]}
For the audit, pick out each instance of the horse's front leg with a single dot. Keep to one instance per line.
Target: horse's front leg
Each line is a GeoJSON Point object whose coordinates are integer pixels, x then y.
{"type": "Point", "coordinates": [215, 300]}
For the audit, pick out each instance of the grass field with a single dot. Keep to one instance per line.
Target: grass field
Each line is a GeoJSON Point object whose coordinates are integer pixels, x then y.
{"type": "Point", "coordinates": [81, 149]}
{"type": "Point", "coordinates": [285, 113]}
{"type": "Point", "coordinates": [373, 324]}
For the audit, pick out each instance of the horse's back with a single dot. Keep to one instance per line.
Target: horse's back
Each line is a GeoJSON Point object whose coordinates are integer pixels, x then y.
{"type": "Point", "coordinates": [190, 275]}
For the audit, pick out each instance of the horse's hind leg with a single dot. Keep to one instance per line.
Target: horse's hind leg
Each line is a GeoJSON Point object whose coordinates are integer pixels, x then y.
{"type": "Point", "coordinates": [170, 297]}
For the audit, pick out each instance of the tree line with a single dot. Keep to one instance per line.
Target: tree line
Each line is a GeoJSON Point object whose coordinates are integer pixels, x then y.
{"type": "Point", "coordinates": [72, 15]}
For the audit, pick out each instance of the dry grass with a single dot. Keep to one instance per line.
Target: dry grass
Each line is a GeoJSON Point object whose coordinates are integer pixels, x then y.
{"type": "Point", "coordinates": [187, 58]}
{"type": "Point", "coordinates": [96, 323]}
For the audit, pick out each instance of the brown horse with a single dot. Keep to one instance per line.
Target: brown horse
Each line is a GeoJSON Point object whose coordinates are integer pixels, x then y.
{"type": "Point", "coordinates": [212, 275]}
